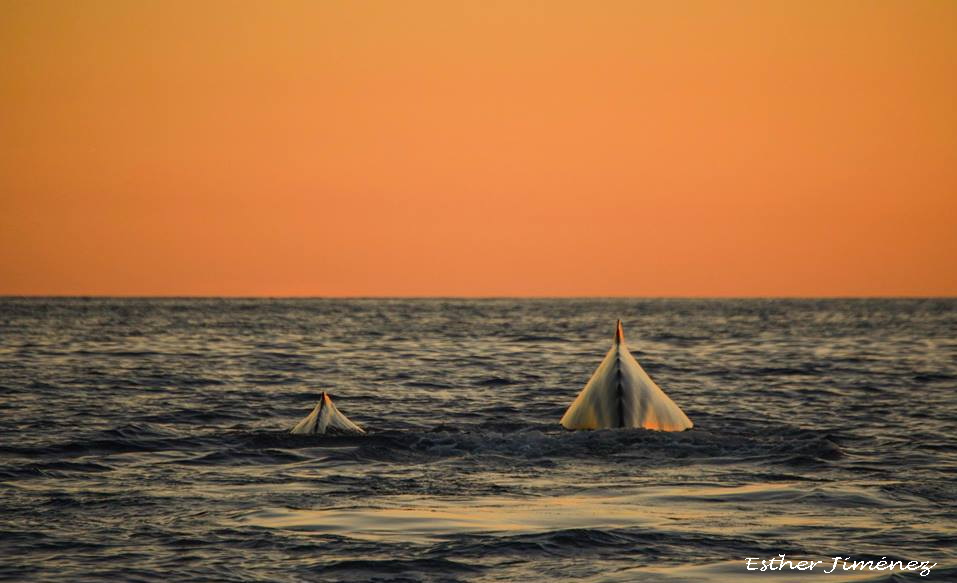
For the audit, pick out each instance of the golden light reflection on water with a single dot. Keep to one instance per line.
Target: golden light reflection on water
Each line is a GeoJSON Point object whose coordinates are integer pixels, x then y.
{"type": "Point", "coordinates": [409, 517]}
{"type": "Point", "coordinates": [746, 510]}
{"type": "Point", "coordinates": [712, 509]}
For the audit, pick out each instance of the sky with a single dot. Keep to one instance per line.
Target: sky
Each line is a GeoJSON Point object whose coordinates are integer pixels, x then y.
{"type": "Point", "coordinates": [442, 148]}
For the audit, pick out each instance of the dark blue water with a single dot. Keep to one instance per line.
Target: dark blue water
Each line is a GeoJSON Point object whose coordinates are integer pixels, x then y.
{"type": "Point", "coordinates": [145, 440]}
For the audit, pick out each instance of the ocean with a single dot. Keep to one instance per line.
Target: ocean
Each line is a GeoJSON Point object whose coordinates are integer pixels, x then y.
{"type": "Point", "coordinates": [147, 440]}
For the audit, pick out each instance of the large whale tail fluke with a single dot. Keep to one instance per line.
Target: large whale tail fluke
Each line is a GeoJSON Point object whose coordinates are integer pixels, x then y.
{"type": "Point", "coordinates": [326, 418]}
{"type": "Point", "coordinates": [621, 394]}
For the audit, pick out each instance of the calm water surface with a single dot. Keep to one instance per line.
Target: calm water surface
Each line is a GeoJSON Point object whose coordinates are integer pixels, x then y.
{"type": "Point", "coordinates": [145, 440]}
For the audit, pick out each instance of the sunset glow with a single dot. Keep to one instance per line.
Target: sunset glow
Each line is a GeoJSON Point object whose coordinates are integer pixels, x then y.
{"type": "Point", "coordinates": [478, 148]}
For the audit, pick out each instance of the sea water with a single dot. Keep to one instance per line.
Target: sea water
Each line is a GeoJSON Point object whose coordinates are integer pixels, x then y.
{"type": "Point", "coordinates": [147, 440]}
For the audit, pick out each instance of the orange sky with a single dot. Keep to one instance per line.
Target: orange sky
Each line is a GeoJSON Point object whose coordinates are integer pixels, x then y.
{"type": "Point", "coordinates": [482, 148]}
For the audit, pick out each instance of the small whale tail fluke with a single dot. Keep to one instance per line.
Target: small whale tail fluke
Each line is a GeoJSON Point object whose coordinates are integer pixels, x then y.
{"type": "Point", "coordinates": [621, 394]}
{"type": "Point", "coordinates": [326, 418]}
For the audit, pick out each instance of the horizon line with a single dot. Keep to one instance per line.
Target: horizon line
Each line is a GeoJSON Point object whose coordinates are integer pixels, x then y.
{"type": "Point", "coordinates": [470, 297]}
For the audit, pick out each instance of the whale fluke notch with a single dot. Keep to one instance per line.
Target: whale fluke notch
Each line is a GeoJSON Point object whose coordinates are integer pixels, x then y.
{"type": "Point", "coordinates": [621, 394]}
{"type": "Point", "coordinates": [326, 418]}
